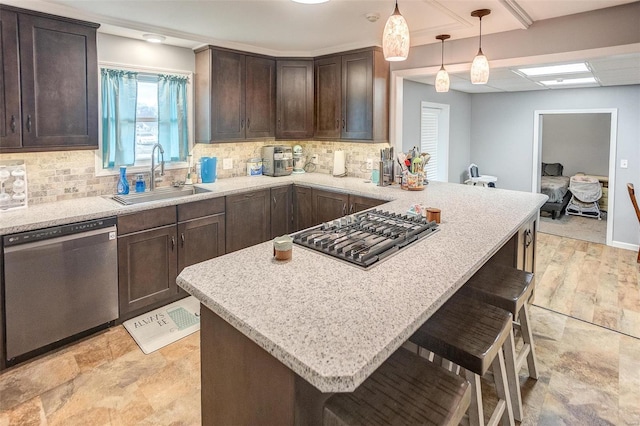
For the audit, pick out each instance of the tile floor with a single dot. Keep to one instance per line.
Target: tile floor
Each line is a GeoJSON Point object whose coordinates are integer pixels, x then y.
{"type": "Point", "coordinates": [589, 375]}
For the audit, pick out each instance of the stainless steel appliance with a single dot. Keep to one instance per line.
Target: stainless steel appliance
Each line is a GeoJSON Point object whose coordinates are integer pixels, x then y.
{"type": "Point", "coordinates": [365, 238]}
{"type": "Point", "coordinates": [277, 160]}
{"type": "Point", "coordinates": [58, 282]}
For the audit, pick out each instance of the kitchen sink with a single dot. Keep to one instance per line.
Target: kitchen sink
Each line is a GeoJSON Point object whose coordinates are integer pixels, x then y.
{"type": "Point", "coordinates": [158, 194]}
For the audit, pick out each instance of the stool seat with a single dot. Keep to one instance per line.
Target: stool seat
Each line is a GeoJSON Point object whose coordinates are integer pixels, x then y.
{"type": "Point", "coordinates": [475, 336]}
{"type": "Point", "coordinates": [502, 286]}
{"type": "Point", "coordinates": [405, 389]}
{"type": "Point", "coordinates": [466, 332]}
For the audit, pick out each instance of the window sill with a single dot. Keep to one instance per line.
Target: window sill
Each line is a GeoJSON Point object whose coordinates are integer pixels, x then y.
{"type": "Point", "coordinates": [132, 170]}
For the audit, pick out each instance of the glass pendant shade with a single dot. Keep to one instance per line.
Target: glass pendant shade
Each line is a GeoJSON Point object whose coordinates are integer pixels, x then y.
{"type": "Point", "coordinates": [442, 81]}
{"type": "Point", "coordinates": [480, 69]}
{"type": "Point", "coordinates": [395, 38]}
{"type": "Point", "coordinates": [480, 65]}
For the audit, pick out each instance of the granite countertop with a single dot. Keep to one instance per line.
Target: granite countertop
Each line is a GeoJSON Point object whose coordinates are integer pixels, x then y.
{"type": "Point", "coordinates": [334, 323]}
{"type": "Point", "coordinates": [80, 209]}
{"type": "Point", "coordinates": [330, 322]}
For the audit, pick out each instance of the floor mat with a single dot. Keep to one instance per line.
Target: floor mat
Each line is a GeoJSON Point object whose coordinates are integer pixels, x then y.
{"type": "Point", "coordinates": [165, 325]}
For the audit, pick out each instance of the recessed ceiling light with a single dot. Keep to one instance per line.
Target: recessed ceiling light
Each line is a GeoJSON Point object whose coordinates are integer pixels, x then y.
{"type": "Point", "coordinates": [154, 38]}
{"type": "Point", "coordinates": [555, 69]}
{"type": "Point", "coordinates": [310, 1]}
{"type": "Point", "coordinates": [569, 81]}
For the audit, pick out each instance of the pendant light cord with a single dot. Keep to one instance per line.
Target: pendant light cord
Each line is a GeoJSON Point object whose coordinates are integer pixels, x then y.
{"type": "Point", "coordinates": [442, 52]}
{"type": "Point", "coordinates": [480, 45]}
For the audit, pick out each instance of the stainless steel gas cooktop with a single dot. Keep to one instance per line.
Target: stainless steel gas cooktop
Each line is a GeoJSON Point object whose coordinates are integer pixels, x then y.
{"type": "Point", "coordinates": [365, 238]}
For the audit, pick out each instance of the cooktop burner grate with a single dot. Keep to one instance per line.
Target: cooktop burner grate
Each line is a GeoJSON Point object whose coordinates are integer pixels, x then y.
{"type": "Point", "coordinates": [365, 238]}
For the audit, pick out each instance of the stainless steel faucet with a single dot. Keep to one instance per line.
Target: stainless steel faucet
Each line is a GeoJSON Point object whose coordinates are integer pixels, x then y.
{"type": "Point", "coordinates": [152, 180]}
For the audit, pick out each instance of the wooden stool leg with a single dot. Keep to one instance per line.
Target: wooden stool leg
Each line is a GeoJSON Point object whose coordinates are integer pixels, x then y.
{"type": "Point", "coordinates": [476, 413]}
{"type": "Point", "coordinates": [502, 389]}
{"type": "Point", "coordinates": [512, 376]}
{"type": "Point", "coordinates": [527, 336]}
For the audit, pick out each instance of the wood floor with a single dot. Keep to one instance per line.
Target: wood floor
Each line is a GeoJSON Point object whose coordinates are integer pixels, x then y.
{"type": "Point", "coordinates": [588, 281]}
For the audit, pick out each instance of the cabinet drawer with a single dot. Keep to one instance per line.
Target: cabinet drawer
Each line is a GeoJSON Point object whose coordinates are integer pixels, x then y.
{"type": "Point", "coordinates": [200, 209]}
{"type": "Point", "coordinates": [146, 220]}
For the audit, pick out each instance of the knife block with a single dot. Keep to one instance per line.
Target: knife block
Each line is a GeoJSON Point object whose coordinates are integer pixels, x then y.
{"type": "Point", "coordinates": [386, 172]}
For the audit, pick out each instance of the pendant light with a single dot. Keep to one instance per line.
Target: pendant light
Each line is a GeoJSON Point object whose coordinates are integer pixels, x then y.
{"type": "Point", "coordinates": [395, 38]}
{"type": "Point", "coordinates": [442, 78]}
{"type": "Point", "coordinates": [480, 65]}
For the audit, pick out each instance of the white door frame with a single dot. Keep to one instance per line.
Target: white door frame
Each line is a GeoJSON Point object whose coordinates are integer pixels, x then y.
{"type": "Point", "coordinates": [613, 137]}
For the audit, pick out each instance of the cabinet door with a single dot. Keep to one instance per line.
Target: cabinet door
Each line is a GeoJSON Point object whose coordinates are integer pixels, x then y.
{"type": "Point", "coordinates": [260, 97]}
{"type": "Point", "coordinates": [200, 239]}
{"type": "Point", "coordinates": [281, 211]}
{"type": "Point", "coordinates": [147, 268]}
{"type": "Point", "coordinates": [248, 219]}
{"type": "Point", "coordinates": [527, 247]}
{"type": "Point", "coordinates": [303, 208]}
{"type": "Point", "coordinates": [357, 96]}
{"type": "Point", "coordinates": [58, 67]}
{"type": "Point", "coordinates": [358, 203]}
{"type": "Point", "coordinates": [10, 121]}
{"type": "Point", "coordinates": [328, 99]}
{"type": "Point", "coordinates": [228, 96]}
{"type": "Point", "coordinates": [329, 205]}
{"type": "Point", "coordinates": [294, 100]}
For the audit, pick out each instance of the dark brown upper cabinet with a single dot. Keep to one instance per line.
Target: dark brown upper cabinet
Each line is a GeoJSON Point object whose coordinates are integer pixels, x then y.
{"type": "Point", "coordinates": [235, 95]}
{"type": "Point", "coordinates": [294, 99]}
{"type": "Point", "coordinates": [352, 91]}
{"type": "Point", "coordinates": [328, 98]}
{"type": "Point", "coordinates": [49, 95]}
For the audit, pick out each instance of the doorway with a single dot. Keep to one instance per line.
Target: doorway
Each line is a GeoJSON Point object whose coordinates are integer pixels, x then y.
{"type": "Point", "coordinates": [578, 152]}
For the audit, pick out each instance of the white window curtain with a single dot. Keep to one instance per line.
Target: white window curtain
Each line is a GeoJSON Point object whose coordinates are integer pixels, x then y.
{"type": "Point", "coordinates": [429, 119]}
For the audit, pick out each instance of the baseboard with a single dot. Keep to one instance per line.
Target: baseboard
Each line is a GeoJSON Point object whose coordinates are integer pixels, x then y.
{"type": "Point", "coordinates": [625, 246]}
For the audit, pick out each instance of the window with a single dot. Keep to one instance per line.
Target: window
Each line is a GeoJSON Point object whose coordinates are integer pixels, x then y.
{"type": "Point", "coordinates": [139, 110]}
{"type": "Point", "coordinates": [434, 139]}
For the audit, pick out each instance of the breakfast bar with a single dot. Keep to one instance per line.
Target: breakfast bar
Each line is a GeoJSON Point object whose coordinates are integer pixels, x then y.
{"type": "Point", "coordinates": [279, 337]}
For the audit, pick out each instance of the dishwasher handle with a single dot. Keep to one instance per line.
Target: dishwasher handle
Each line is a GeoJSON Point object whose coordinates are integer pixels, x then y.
{"type": "Point", "coordinates": [111, 231]}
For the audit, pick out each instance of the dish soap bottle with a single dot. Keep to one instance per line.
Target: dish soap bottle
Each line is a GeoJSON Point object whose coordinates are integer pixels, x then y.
{"type": "Point", "coordinates": [123, 185]}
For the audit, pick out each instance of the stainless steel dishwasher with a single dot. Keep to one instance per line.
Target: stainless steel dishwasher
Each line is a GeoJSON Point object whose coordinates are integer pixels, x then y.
{"type": "Point", "coordinates": [58, 282]}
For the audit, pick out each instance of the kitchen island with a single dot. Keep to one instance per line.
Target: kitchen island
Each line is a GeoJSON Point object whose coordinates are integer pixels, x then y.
{"type": "Point", "coordinates": [278, 338]}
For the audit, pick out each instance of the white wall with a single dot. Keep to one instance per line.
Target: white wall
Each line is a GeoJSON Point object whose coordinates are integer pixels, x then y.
{"type": "Point", "coordinates": [129, 51]}
{"type": "Point", "coordinates": [580, 142]}
{"type": "Point", "coordinates": [459, 124]}
{"type": "Point", "coordinates": [502, 139]}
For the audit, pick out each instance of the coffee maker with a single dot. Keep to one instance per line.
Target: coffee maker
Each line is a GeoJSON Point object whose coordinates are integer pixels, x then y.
{"type": "Point", "coordinates": [277, 160]}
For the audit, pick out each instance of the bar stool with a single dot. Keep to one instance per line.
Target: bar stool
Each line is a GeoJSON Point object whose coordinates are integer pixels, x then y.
{"type": "Point", "coordinates": [473, 335]}
{"type": "Point", "coordinates": [508, 288]}
{"type": "Point", "coordinates": [405, 389]}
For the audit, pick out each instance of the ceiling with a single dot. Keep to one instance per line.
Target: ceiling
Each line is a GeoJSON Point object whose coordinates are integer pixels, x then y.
{"type": "Point", "coordinates": [268, 26]}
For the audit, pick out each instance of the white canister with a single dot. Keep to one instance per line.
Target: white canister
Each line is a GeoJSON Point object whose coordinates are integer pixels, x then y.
{"type": "Point", "coordinates": [254, 167]}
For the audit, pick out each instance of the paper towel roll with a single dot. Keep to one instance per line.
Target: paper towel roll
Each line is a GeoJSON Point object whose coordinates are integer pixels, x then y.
{"type": "Point", "coordinates": [339, 168]}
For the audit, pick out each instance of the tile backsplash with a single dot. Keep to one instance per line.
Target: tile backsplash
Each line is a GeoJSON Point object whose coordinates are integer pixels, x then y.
{"type": "Point", "coordinates": [61, 175]}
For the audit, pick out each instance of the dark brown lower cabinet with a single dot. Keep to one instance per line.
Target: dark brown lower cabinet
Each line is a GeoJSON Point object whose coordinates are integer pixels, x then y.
{"type": "Point", "coordinates": [155, 245]}
{"type": "Point", "coordinates": [281, 211]}
{"type": "Point", "coordinates": [329, 205]}
{"type": "Point", "coordinates": [147, 268]}
{"type": "Point", "coordinates": [519, 251]}
{"type": "Point", "coordinates": [248, 219]}
{"type": "Point", "coordinates": [302, 208]}
{"type": "Point", "coordinates": [358, 203]}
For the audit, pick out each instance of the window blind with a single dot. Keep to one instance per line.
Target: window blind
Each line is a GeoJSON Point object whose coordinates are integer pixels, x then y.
{"type": "Point", "coordinates": [429, 118]}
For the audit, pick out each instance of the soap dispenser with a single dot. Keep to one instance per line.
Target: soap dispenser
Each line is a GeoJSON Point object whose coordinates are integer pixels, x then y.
{"type": "Point", "coordinates": [123, 185]}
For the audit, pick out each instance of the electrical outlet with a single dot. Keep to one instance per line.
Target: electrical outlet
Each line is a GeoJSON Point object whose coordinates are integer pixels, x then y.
{"type": "Point", "coordinates": [314, 159]}
{"type": "Point", "coordinates": [624, 164]}
{"type": "Point", "coordinates": [227, 164]}
{"type": "Point", "coordinates": [369, 164]}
